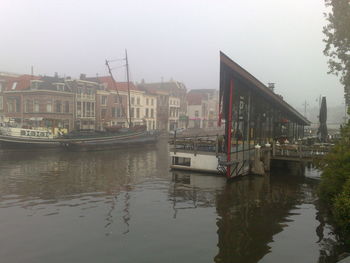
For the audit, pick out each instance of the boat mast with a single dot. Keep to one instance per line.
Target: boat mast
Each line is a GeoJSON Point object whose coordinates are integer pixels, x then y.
{"type": "Point", "coordinates": [127, 78]}
{"type": "Point", "coordinates": [115, 87]}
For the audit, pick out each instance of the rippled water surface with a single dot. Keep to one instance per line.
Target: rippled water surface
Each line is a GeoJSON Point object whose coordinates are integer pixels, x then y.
{"type": "Point", "coordinates": [126, 206]}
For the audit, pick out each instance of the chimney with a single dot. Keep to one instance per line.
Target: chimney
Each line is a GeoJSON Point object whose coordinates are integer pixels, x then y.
{"type": "Point", "coordinates": [271, 86]}
{"type": "Point", "coordinates": [82, 76]}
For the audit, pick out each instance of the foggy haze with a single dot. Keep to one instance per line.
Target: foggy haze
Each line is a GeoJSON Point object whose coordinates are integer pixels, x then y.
{"type": "Point", "coordinates": [277, 41]}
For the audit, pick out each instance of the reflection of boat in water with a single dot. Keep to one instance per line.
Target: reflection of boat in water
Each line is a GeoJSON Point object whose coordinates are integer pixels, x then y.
{"type": "Point", "coordinates": [96, 140]}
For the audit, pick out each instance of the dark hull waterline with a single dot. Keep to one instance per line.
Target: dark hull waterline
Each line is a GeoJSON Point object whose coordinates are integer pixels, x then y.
{"type": "Point", "coordinates": [80, 144]}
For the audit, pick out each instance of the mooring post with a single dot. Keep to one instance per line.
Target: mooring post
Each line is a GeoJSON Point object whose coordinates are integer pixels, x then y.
{"type": "Point", "coordinates": [195, 145]}
{"type": "Point", "coordinates": [267, 159]}
{"type": "Point", "coordinates": [258, 167]}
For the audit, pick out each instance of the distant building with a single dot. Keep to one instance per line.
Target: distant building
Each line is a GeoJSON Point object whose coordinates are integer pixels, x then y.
{"type": "Point", "coordinates": [113, 102]}
{"type": "Point", "coordinates": [38, 102]}
{"type": "Point", "coordinates": [203, 108]}
{"type": "Point", "coordinates": [171, 103]}
{"type": "Point", "coordinates": [84, 102]}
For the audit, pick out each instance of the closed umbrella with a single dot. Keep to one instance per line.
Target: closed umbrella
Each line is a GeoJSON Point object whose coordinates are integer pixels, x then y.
{"type": "Point", "coordinates": [322, 130]}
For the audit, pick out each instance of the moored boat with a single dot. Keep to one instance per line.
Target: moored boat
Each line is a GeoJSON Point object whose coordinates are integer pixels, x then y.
{"type": "Point", "coordinates": [31, 138]}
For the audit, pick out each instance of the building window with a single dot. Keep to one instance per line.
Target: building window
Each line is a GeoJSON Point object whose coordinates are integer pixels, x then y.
{"type": "Point", "coordinates": [36, 106]}
{"type": "Point", "coordinates": [196, 113]}
{"type": "Point", "coordinates": [103, 113]}
{"type": "Point", "coordinates": [146, 113]}
{"type": "Point", "coordinates": [138, 113]}
{"type": "Point", "coordinates": [114, 114]}
{"type": "Point", "coordinates": [58, 106]}
{"type": "Point", "coordinates": [14, 85]}
{"type": "Point", "coordinates": [104, 100]}
{"type": "Point", "coordinates": [49, 106]}
{"type": "Point", "coordinates": [116, 99]}
{"type": "Point", "coordinates": [84, 110]}
{"type": "Point", "coordinates": [152, 113]}
{"type": "Point", "coordinates": [138, 100]}
{"type": "Point", "coordinates": [28, 106]}
{"type": "Point", "coordinates": [132, 100]}
{"type": "Point", "coordinates": [88, 109]}
{"type": "Point", "coordinates": [183, 161]}
{"type": "Point", "coordinates": [147, 101]}
{"type": "Point", "coordinates": [10, 106]}
{"type": "Point", "coordinates": [92, 108]}
{"type": "Point", "coordinates": [119, 113]}
{"type": "Point", "coordinates": [132, 113]}
{"type": "Point", "coordinates": [78, 109]}
{"type": "Point", "coordinates": [66, 107]}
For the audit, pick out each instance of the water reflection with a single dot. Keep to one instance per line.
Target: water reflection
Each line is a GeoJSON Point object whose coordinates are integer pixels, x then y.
{"type": "Point", "coordinates": [192, 190]}
{"type": "Point", "coordinates": [252, 211]}
{"type": "Point", "coordinates": [131, 199]}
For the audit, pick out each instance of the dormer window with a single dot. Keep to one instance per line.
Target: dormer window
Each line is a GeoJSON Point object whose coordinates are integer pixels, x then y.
{"type": "Point", "coordinates": [34, 84]}
{"type": "Point", "coordinates": [59, 86]}
{"type": "Point", "coordinates": [14, 85]}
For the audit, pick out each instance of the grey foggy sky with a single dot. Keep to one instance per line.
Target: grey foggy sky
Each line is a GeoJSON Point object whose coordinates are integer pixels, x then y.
{"type": "Point", "coordinates": [277, 41]}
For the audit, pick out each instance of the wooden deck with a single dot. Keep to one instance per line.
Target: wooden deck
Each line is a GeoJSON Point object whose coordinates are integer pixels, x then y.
{"type": "Point", "coordinates": [299, 153]}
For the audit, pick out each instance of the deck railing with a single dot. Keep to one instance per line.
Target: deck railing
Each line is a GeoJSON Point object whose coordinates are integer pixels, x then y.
{"type": "Point", "coordinates": [299, 151]}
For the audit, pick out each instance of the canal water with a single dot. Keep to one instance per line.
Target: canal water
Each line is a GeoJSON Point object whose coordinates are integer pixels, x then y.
{"type": "Point", "coordinates": [126, 206]}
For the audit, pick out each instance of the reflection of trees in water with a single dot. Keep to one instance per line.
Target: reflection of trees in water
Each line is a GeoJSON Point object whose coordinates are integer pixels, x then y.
{"type": "Point", "coordinates": [250, 211]}
{"type": "Point", "coordinates": [330, 245]}
{"type": "Point", "coordinates": [253, 211]}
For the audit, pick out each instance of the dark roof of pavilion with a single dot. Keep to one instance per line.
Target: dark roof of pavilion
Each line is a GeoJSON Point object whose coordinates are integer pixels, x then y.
{"type": "Point", "coordinates": [243, 75]}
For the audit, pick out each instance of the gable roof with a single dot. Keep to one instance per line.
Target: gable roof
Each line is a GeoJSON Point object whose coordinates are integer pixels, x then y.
{"type": "Point", "coordinates": [171, 87]}
{"type": "Point", "coordinates": [21, 82]}
{"type": "Point", "coordinates": [231, 68]}
{"type": "Point", "coordinates": [110, 85]}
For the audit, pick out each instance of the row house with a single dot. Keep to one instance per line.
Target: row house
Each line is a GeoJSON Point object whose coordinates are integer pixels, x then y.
{"type": "Point", "coordinates": [39, 101]}
{"type": "Point", "coordinates": [174, 112]}
{"type": "Point", "coordinates": [203, 108]}
{"type": "Point", "coordinates": [4, 79]}
{"type": "Point", "coordinates": [197, 109]}
{"type": "Point", "coordinates": [149, 110]}
{"type": "Point", "coordinates": [171, 103]}
{"type": "Point", "coordinates": [113, 104]}
{"type": "Point", "coordinates": [65, 103]}
{"type": "Point", "coordinates": [84, 92]}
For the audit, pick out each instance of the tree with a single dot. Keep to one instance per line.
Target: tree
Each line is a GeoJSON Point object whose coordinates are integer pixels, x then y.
{"type": "Point", "coordinates": [337, 39]}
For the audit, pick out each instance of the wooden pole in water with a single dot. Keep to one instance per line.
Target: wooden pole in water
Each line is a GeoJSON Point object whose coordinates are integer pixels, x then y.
{"type": "Point", "coordinates": [229, 131]}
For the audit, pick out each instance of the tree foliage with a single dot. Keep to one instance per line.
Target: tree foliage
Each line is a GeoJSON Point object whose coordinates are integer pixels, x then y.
{"type": "Point", "coordinates": [337, 39]}
{"type": "Point", "coordinates": [334, 187]}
